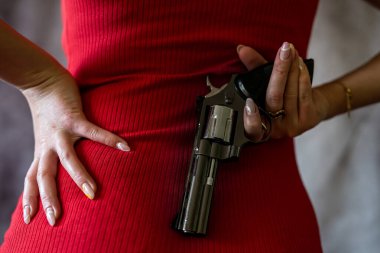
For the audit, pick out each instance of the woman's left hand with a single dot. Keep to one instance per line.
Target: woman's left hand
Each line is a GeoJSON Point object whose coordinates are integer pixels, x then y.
{"type": "Point", "coordinates": [289, 96]}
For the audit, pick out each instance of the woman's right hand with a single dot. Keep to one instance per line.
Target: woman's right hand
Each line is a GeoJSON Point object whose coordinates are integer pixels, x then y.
{"type": "Point", "coordinates": [289, 94]}
{"type": "Point", "coordinates": [58, 122]}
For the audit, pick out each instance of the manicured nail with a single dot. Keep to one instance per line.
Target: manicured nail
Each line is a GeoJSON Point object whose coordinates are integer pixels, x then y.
{"type": "Point", "coordinates": [87, 190]}
{"type": "Point", "coordinates": [300, 63]}
{"type": "Point", "coordinates": [239, 48]}
{"type": "Point", "coordinates": [285, 51]}
{"type": "Point", "coordinates": [50, 216]}
{"type": "Point", "coordinates": [26, 214]}
{"type": "Point", "coordinates": [249, 107]}
{"type": "Point", "coordinates": [123, 146]}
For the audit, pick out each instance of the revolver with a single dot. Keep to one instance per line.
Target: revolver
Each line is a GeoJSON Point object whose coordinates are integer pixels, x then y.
{"type": "Point", "coordinates": [220, 136]}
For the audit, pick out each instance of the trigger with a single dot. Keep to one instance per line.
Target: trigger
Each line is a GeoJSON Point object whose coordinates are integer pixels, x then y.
{"type": "Point", "coordinates": [209, 84]}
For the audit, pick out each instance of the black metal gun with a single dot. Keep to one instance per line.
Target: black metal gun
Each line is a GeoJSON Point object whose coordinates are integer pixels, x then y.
{"type": "Point", "coordinates": [220, 136]}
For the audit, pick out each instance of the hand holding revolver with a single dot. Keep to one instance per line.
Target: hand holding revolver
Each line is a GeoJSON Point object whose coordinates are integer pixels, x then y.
{"type": "Point", "coordinates": [290, 100]}
{"type": "Point", "coordinates": [278, 101]}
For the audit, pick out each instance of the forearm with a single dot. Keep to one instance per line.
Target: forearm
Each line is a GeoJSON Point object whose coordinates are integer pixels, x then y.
{"type": "Point", "coordinates": [364, 84]}
{"type": "Point", "coordinates": [375, 3]}
{"type": "Point", "coordinates": [24, 64]}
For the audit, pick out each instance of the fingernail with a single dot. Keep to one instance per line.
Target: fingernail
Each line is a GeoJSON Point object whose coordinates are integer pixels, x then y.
{"type": "Point", "coordinates": [26, 214]}
{"type": "Point", "coordinates": [300, 63]}
{"type": "Point", "coordinates": [86, 188]}
{"type": "Point", "coordinates": [285, 51]}
{"type": "Point", "coordinates": [50, 216]}
{"type": "Point", "coordinates": [123, 147]}
{"type": "Point", "coordinates": [249, 107]}
{"type": "Point", "coordinates": [239, 48]}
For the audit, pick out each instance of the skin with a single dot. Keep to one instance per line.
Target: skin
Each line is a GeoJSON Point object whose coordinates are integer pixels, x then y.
{"type": "Point", "coordinates": [59, 121]}
{"type": "Point", "coordinates": [290, 89]}
{"type": "Point", "coordinates": [375, 3]}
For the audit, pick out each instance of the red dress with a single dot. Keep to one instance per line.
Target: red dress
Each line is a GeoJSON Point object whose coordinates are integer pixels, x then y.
{"type": "Point", "coordinates": [140, 65]}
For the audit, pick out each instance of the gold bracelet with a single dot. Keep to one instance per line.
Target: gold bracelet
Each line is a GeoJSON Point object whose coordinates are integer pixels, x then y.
{"type": "Point", "coordinates": [348, 93]}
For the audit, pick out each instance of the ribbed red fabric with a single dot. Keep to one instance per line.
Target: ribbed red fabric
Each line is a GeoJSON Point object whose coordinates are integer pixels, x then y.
{"type": "Point", "coordinates": [140, 65]}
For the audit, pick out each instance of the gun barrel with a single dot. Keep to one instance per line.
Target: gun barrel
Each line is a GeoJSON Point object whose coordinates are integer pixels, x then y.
{"type": "Point", "coordinates": [207, 197]}
{"type": "Point", "coordinates": [193, 217]}
{"type": "Point", "coordinates": [214, 145]}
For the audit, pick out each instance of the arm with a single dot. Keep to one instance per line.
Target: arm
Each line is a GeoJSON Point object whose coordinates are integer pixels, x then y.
{"type": "Point", "coordinates": [24, 64]}
{"type": "Point", "coordinates": [58, 121]}
{"type": "Point", "coordinates": [364, 83]}
{"type": "Point", "coordinates": [375, 3]}
{"type": "Point", "coordinates": [305, 107]}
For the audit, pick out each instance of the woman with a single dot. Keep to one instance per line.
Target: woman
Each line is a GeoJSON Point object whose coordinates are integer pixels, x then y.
{"type": "Point", "coordinates": [140, 66]}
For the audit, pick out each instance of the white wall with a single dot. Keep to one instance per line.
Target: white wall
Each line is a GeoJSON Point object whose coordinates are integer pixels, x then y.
{"type": "Point", "coordinates": [340, 158]}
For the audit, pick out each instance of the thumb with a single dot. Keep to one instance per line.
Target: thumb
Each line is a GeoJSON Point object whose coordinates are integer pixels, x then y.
{"type": "Point", "coordinates": [86, 129]}
{"type": "Point", "coordinates": [250, 57]}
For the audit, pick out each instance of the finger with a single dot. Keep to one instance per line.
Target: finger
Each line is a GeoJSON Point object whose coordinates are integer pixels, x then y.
{"type": "Point", "coordinates": [305, 89]}
{"type": "Point", "coordinates": [252, 121]}
{"type": "Point", "coordinates": [291, 92]}
{"type": "Point", "coordinates": [73, 166]}
{"type": "Point", "coordinates": [250, 57]}
{"type": "Point", "coordinates": [277, 83]}
{"type": "Point", "coordinates": [30, 194]}
{"type": "Point", "coordinates": [46, 178]}
{"type": "Point", "coordinates": [93, 132]}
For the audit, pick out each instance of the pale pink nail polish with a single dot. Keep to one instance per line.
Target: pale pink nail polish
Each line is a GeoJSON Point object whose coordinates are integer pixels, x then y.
{"type": "Point", "coordinates": [285, 51]}
{"type": "Point", "coordinates": [87, 190]}
{"type": "Point", "coordinates": [26, 214]}
{"type": "Point", "coordinates": [249, 107]}
{"type": "Point", "coordinates": [50, 216]}
{"type": "Point", "coordinates": [123, 147]}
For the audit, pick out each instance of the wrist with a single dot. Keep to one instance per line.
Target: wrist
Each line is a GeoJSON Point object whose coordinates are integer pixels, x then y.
{"type": "Point", "coordinates": [42, 84]}
{"type": "Point", "coordinates": [337, 99]}
{"type": "Point", "coordinates": [40, 78]}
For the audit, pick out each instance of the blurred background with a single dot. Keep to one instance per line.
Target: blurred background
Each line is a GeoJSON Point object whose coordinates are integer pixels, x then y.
{"type": "Point", "coordinates": [339, 160]}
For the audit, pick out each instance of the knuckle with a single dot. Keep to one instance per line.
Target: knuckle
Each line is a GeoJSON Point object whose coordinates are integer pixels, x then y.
{"type": "Point", "coordinates": [28, 179]}
{"type": "Point", "coordinates": [27, 198]}
{"type": "Point", "coordinates": [93, 132]}
{"type": "Point", "coordinates": [46, 200]}
{"type": "Point", "coordinates": [76, 174]}
{"type": "Point", "coordinates": [292, 131]}
{"type": "Point", "coordinates": [274, 99]}
{"type": "Point", "coordinates": [64, 155]}
{"type": "Point", "coordinates": [253, 128]}
{"type": "Point", "coordinates": [305, 78]}
{"type": "Point", "coordinates": [67, 120]}
{"type": "Point", "coordinates": [291, 95]}
{"type": "Point", "coordinates": [78, 179]}
{"type": "Point", "coordinates": [108, 140]}
{"type": "Point", "coordinates": [304, 96]}
{"type": "Point", "coordinates": [280, 69]}
{"type": "Point", "coordinates": [43, 174]}
{"type": "Point", "coordinates": [252, 61]}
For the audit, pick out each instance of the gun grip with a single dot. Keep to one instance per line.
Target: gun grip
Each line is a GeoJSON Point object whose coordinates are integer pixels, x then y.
{"type": "Point", "coordinates": [254, 83]}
